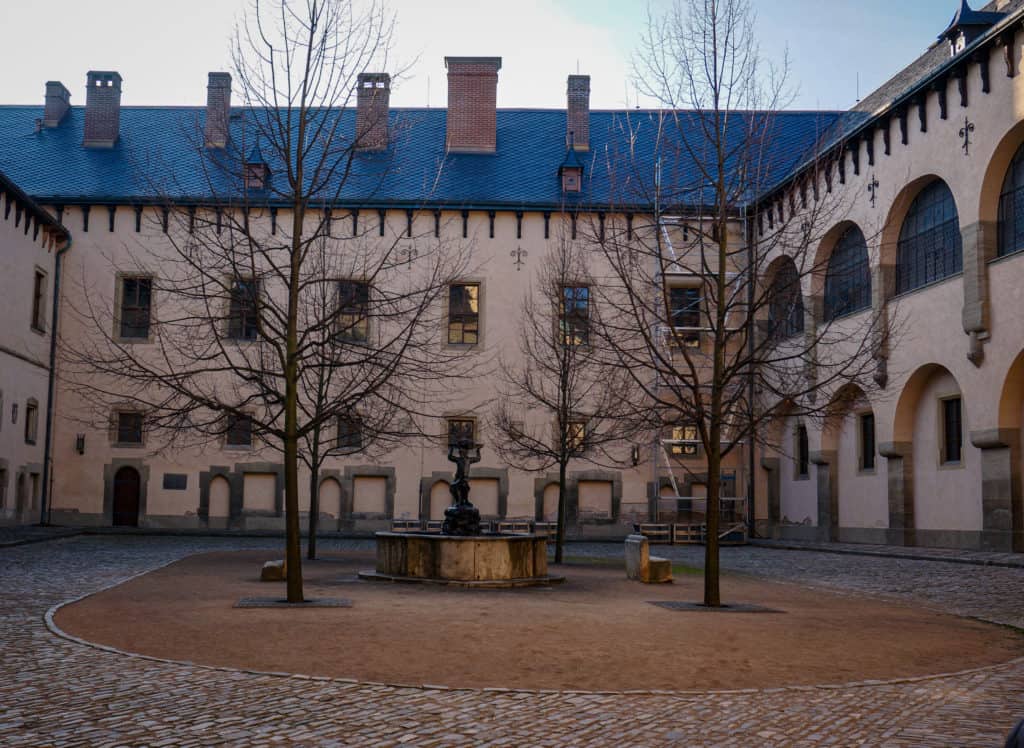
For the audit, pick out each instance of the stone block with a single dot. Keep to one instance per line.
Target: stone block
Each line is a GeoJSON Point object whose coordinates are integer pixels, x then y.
{"type": "Point", "coordinates": [659, 570]}
{"type": "Point", "coordinates": [637, 557]}
{"type": "Point", "coordinates": [274, 571]}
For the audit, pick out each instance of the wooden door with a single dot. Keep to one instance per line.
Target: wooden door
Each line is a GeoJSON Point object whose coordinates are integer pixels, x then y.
{"type": "Point", "coordinates": [126, 497]}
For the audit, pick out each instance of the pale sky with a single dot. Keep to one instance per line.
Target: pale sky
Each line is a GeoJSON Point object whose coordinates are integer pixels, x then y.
{"type": "Point", "coordinates": [163, 50]}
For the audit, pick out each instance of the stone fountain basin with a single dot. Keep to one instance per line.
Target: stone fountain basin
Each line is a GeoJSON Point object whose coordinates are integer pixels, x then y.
{"type": "Point", "coordinates": [467, 561]}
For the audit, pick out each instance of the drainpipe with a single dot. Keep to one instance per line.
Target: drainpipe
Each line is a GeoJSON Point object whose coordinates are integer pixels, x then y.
{"type": "Point", "coordinates": [44, 503]}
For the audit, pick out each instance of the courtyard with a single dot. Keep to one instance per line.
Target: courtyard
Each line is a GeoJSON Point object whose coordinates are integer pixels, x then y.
{"type": "Point", "coordinates": [56, 691]}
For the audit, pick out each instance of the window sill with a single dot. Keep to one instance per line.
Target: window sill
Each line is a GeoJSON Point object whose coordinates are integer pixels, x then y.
{"type": "Point", "coordinates": [959, 465]}
{"type": "Point", "coordinates": [30, 442]}
{"type": "Point", "coordinates": [132, 341]}
{"type": "Point", "coordinates": [926, 286]}
{"type": "Point", "coordinates": [37, 330]}
{"type": "Point", "coordinates": [238, 447]}
{"type": "Point", "coordinates": [127, 445]}
{"type": "Point", "coordinates": [801, 478]}
{"type": "Point", "coordinates": [867, 471]}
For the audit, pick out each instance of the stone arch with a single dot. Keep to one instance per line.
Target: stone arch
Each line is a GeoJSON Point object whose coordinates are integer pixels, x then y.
{"type": "Point", "coordinates": [439, 499]}
{"type": "Point", "coordinates": [330, 497]}
{"type": "Point", "coordinates": [1003, 466]}
{"type": "Point", "coordinates": [821, 257]}
{"type": "Point", "coordinates": [219, 510]}
{"type": "Point", "coordinates": [783, 314]}
{"type": "Point", "coordinates": [995, 172]}
{"type": "Point", "coordinates": [549, 505]}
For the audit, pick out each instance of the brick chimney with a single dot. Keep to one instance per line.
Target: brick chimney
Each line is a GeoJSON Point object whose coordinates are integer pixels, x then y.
{"type": "Point", "coordinates": [373, 97]}
{"type": "Point", "coordinates": [102, 108]}
{"type": "Point", "coordinates": [218, 109]}
{"type": "Point", "coordinates": [577, 129]}
{"type": "Point", "coordinates": [472, 104]}
{"type": "Point", "coordinates": [58, 101]}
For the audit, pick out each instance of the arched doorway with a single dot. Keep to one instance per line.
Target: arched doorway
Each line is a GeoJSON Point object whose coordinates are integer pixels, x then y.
{"type": "Point", "coordinates": [440, 499]}
{"type": "Point", "coordinates": [127, 488]}
{"type": "Point", "coordinates": [220, 502]}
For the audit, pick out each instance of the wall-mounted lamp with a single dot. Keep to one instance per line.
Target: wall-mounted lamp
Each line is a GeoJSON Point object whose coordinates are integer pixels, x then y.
{"type": "Point", "coordinates": [635, 455]}
{"type": "Point", "coordinates": [80, 443]}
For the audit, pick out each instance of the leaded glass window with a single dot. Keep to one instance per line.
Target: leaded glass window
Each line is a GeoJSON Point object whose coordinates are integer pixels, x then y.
{"type": "Point", "coordinates": [848, 277]}
{"type": "Point", "coordinates": [575, 315]}
{"type": "Point", "coordinates": [929, 247]}
{"type": "Point", "coordinates": [1011, 207]}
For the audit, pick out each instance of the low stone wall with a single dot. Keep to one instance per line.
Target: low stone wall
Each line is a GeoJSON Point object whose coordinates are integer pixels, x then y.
{"type": "Point", "coordinates": [462, 559]}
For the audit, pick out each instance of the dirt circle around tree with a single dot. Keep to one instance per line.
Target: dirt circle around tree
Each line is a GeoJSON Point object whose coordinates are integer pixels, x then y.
{"type": "Point", "coordinates": [597, 631]}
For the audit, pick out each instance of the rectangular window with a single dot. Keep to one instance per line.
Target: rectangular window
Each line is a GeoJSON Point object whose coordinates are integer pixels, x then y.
{"type": "Point", "coordinates": [684, 308]}
{"type": "Point", "coordinates": [952, 430]}
{"type": "Point", "coordinates": [353, 311]}
{"type": "Point", "coordinates": [576, 437]}
{"type": "Point", "coordinates": [129, 427]}
{"type": "Point", "coordinates": [464, 314]}
{"type": "Point", "coordinates": [867, 441]}
{"type": "Point", "coordinates": [239, 431]}
{"type": "Point", "coordinates": [461, 429]}
{"type": "Point", "coordinates": [350, 433]}
{"type": "Point", "coordinates": [243, 308]}
{"type": "Point", "coordinates": [136, 296]}
{"type": "Point", "coordinates": [39, 301]}
{"type": "Point", "coordinates": [803, 454]}
{"type": "Point", "coordinates": [684, 441]}
{"type": "Point", "coordinates": [31, 421]}
{"type": "Point", "coordinates": [575, 315]}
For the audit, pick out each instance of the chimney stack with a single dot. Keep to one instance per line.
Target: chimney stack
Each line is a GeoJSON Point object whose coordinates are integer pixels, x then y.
{"type": "Point", "coordinates": [102, 108]}
{"type": "Point", "coordinates": [218, 110]}
{"type": "Point", "coordinates": [577, 133]}
{"type": "Point", "coordinates": [58, 101]}
{"type": "Point", "coordinates": [373, 97]}
{"type": "Point", "coordinates": [472, 104]}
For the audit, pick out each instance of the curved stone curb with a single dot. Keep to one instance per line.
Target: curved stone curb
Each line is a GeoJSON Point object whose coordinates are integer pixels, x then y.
{"type": "Point", "coordinates": [48, 618]}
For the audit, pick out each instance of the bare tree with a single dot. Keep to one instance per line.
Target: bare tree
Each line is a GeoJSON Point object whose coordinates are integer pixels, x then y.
{"type": "Point", "coordinates": [721, 341]}
{"type": "Point", "coordinates": [275, 316]}
{"type": "Point", "coordinates": [558, 400]}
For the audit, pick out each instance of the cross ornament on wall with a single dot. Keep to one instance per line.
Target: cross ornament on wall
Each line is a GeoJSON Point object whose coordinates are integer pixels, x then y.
{"type": "Point", "coordinates": [518, 254]}
{"type": "Point", "coordinates": [873, 189]}
{"type": "Point", "coordinates": [965, 133]}
{"type": "Point", "coordinates": [408, 254]}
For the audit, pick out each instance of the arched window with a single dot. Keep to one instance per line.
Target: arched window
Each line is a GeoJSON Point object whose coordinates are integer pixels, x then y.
{"type": "Point", "coordinates": [1011, 207]}
{"type": "Point", "coordinates": [786, 303]}
{"type": "Point", "coordinates": [930, 247]}
{"type": "Point", "coordinates": [848, 277]}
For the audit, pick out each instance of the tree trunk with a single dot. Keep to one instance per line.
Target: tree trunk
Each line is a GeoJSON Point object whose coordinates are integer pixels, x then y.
{"type": "Point", "coordinates": [293, 536]}
{"type": "Point", "coordinates": [712, 593]}
{"type": "Point", "coordinates": [560, 531]}
{"type": "Point", "coordinates": [314, 506]}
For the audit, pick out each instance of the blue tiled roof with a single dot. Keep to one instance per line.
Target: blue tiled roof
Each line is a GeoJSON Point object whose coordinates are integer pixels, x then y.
{"type": "Point", "coordinates": [159, 154]}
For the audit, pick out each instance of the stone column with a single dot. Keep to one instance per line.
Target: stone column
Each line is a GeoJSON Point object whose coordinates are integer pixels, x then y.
{"type": "Point", "coordinates": [828, 494]}
{"type": "Point", "coordinates": [882, 282]}
{"type": "Point", "coordinates": [1002, 527]}
{"type": "Point", "coordinates": [900, 461]}
{"type": "Point", "coordinates": [979, 246]}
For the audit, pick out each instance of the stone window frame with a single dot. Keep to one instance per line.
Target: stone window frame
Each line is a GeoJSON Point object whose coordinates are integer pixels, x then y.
{"type": "Point", "coordinates": [480, 315]}
{"type": "Point", "coordinates": [446, 430]}
{"type": "Point", "coordinates": [119, 278]}
{"type": "Point", "coordinates": [697, 453]}
{"type": "Point", "coordinates": [351, 418]}
{"type": "Point", "coordinates": [227, 445]}
{"type": "Point", "coordinates": [115, 426]}
{"type": "Point", "coordinates": [861, 468]}
{"type": "Point", "coordinates": [945, 463]}
{"type": "Point", "coordinates": [40, 278]}
{"type": "Point", "coordinates": [231, 281]}
{"type": "Point", "coordinates": [564, 317]}
{"type": "Point", "coordinates": [31, 428]}
{"type": "Point", "coordinates": [687, 336]}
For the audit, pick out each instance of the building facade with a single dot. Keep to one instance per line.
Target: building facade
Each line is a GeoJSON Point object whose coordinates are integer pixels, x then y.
{"type": "Point", "coordinates": [928, 169]}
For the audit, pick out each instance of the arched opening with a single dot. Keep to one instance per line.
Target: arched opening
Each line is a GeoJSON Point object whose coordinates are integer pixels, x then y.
{"type": "Point", "coordinates": [848, 276]}
{"type": "Point", "coordinates": [1008, 476]}
{"type": "Point", "coordinates": [1011, 207]}
{"type": "Point", "coordinates": [484, 493]}
{"type": "Point", "coordinates": [785, 299]}
{"type": "Point", "coordinates": [440, 499]}
{"type": "Point", "coordinates": [931, 423]}
{"type": "Point", "coordinates": [929, 247]}
{"type": "Point", "coordinates": [330, 498]}
{"type": "Point", "coordinates": [127, 494]}
{"type": "Point", "coordinates": [550, 508]}
{"type": "Point", "coordinates": [220, 500]}
{"type": "Point", "coordinates": [849, 438]}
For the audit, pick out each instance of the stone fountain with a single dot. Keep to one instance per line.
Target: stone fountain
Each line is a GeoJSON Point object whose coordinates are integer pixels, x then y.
{"type": "Point", "coordinates": [461, 555]}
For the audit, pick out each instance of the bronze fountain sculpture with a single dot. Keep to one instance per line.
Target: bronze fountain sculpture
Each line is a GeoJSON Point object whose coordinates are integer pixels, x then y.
{"type": "Point", "coordinates": [462, 518]}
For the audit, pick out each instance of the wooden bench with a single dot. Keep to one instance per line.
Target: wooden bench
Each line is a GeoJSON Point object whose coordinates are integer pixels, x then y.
{"type": "Point", "coordinates": [546, 528]}
{"type": "Point", "coordinates": [405, 525]}
{"type": "Point", "coordinates": [515, 526]}
{"type": "Point", "coordinates": [656, 533]}
{"type": "Point", "coordinates": [688, 534]}
{"type": "Point", "coordinates": [433, 526]}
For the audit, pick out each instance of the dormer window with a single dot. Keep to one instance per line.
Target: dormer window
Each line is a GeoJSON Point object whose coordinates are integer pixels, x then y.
{"type": "Point", "coordinates": [957, 44]}
{"type": "Point", "coordinates": [571, 170]}
{"type": "Point", "coordinates": [256, 173]}
{"type": "Point", "coordinates": [967, 26]}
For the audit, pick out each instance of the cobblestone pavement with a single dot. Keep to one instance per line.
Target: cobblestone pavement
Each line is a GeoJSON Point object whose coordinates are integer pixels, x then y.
{"type": "Point", "coordinates": [57, 692]}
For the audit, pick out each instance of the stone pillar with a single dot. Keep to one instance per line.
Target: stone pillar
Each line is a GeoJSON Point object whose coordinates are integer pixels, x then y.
{"type": "Point", "coordinates": [828, 494]}
{"type": "Point", "coordinates": [900, 461]}
{"type": "Point", "coordinates": [1002, 527]}
{"type": "Point", "coordinates": [979, 246]}
{"type": "Point", "coordinates": [881, 288]}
